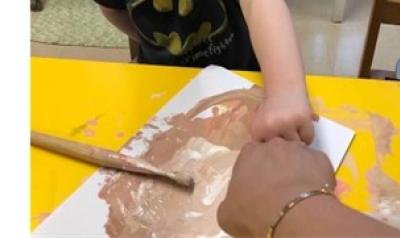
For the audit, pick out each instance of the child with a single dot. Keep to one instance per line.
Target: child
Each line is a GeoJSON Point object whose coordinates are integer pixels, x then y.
{"type": "Point", "coordinates": [225, 32]}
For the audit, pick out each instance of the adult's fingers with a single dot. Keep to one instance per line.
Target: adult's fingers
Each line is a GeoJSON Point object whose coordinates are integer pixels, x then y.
{"type": "Point", "coordinates": [224, 219]}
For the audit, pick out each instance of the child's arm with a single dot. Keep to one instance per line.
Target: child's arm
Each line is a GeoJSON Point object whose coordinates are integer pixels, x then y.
{"type": "Point", "coordinates": [286, 112]}
{"type": "Point", "coordinates": [121, 20]}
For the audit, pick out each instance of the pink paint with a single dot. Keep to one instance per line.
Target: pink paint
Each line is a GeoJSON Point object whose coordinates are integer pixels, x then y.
{"type": "Point", "coordinates": [89, 133]}
{"type": "Point", "coordinates": [120, 134]}
{"type": "Point", "coordinates": [341, 188]}
{"type": "Point", "coordinates": [92, 122]}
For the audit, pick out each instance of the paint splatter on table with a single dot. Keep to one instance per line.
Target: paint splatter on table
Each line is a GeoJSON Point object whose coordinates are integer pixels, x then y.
{"type": "Point", "coordinates": [380, 190]}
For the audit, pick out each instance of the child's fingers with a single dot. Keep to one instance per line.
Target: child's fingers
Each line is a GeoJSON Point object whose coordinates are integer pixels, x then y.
{"type": "Point", "coordinates": [315, 116]}
{"type": "Point", "coordinates": [264, 134]}
{"type": "Point", "coordinates": [306, 132]}
{"type": "Point", "coordinates": [291, 135]}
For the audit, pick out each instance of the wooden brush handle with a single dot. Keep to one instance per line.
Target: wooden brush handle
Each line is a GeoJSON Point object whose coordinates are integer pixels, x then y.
{"type": "Point", "coordinates": [94, 155]}
{"type": "Point", "coordinates": [104, 157]}
{"type": "Point", "coordinates": [87, 153]}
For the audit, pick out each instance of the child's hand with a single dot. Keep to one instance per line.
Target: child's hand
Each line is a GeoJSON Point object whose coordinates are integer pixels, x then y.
{"type": "Point", "coordinates": [285, 114]}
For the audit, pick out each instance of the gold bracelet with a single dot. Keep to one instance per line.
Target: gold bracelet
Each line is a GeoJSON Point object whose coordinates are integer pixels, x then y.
{"type": "Point", "coordinates": [301, 197]}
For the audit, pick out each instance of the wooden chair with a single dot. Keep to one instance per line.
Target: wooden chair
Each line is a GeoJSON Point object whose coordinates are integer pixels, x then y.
{"type": "Point", "coordinates": [383, 12]}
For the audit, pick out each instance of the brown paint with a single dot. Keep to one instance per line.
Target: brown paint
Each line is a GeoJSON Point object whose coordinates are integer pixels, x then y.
{"type": "Point", "coordinates": [385, 194]}
{"type": "Point", "coordinates": [382, 130]}
{"type": "Point", "coordinates": [204, 147]}
{"type": "Point", "coordinates": [384, 191]}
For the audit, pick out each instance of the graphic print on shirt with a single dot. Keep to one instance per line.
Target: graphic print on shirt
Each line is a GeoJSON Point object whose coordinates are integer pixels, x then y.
{"type": "Point", "coordinates": [178, 25]}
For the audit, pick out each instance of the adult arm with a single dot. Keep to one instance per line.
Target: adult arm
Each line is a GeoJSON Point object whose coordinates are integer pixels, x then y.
{"type": "Point", "coordinates": [267, 176]}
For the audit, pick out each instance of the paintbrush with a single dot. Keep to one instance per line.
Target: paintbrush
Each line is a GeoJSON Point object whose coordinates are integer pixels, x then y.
{"type": "Point", "coordinates": [105, 158]}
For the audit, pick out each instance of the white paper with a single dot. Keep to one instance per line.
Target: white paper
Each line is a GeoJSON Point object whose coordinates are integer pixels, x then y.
{"type": "Point", "coordinates": [83, 214]}
{"type": "Point", "coordinates": [333, 139]}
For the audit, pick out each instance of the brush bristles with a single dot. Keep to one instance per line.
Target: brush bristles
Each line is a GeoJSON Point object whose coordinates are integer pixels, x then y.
{"type": "Point", "coordinates": [182, 179]}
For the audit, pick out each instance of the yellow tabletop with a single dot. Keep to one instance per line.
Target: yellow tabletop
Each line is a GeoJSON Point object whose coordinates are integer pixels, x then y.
{"type": "Point", "coordinates": [104, 104]}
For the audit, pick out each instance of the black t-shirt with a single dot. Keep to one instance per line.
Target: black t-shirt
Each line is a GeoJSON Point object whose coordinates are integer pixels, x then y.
{"type": "Point", "coordinates": [190, 32]}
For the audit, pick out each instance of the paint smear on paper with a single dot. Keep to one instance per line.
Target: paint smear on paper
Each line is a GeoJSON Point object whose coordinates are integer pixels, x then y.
{"type": "Point", "coordinates": [204, 142]}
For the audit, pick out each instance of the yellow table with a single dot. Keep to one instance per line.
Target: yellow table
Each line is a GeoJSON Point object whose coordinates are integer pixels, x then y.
{"type": "Point", "coordinates": [105, 103]}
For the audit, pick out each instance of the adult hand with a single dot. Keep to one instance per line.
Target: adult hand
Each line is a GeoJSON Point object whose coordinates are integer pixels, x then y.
{"type": "Point", "coordinates": [265, 178]}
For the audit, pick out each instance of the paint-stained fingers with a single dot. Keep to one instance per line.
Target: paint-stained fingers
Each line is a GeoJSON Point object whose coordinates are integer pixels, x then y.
{"type": "Point", "coordinates": [306, 132]}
